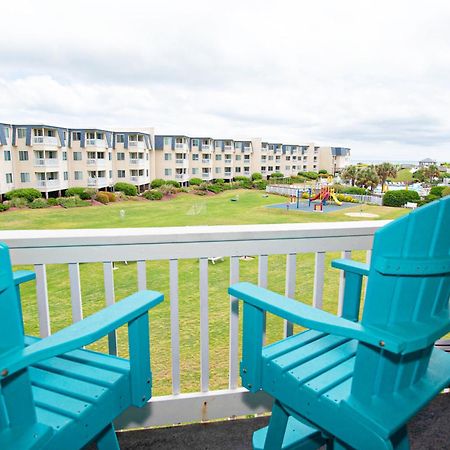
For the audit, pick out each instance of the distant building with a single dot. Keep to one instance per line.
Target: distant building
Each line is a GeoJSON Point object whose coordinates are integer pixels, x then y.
{"type": "Point", "coordinates": [52, 159]}
{"type": "Point", "coordinates": [427, 162]}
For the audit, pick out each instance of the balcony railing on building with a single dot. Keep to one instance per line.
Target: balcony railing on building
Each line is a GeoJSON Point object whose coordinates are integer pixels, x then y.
{"type": "Point", "coordinates": [46, 162]}
{"type": "Point", "coordinates": [45, 140]}
{"type": "Point", "coordinates": [137, 144]}
{"type": "Point", "coordinates": [141, 179]}
{"type": "Point", "coordinates": [206, 147]}
{"type": "Point", "coordinates": [101, 162]}
{"type": "Point", "coordinates": [96, 143]}
{"type": "Point", "coordinates": [181, 146]}
{"type": "Point", "coordinates": [98, 182]}
{"type": "Point", "coordinates": [49, 184]}
{"type": "Point", "coordinates": [137, 161]}
{"type": "Point", "coordinates": [171, 248]}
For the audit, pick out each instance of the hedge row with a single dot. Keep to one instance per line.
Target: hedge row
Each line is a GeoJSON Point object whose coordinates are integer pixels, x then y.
{"type": "Point", "coordinates": [400, 198]}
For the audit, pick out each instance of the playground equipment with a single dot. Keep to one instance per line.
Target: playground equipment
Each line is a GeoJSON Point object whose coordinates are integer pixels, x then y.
{"type": "Point", "coordinates": [325, 194]}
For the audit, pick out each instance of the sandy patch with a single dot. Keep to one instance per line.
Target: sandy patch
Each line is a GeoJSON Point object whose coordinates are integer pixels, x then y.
{"type": "Point", "coordinates": [361, 214]}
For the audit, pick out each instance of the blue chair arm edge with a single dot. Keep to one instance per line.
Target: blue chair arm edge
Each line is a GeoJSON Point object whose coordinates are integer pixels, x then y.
{"type": "Point", "coordinates": [349, 265]}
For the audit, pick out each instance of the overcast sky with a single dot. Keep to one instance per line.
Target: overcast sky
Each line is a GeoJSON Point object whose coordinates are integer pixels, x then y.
{"type": "Point", "coordinates": [370, 75]}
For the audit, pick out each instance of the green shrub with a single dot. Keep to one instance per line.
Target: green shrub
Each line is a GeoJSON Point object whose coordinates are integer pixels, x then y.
{"type": "Point", "coordinates": [400, 198]}
{"type": "Point", "coordinates": [346, 198]}
{"type": "Point", "coordinates": [173, 183]}
{"type": "Point", "coordinates": [4, 207]}
{"type": "Point", "coordinates": [157, 182]}
{"type": "Point", "coordinates": [153, 194]}
{"type": "Point", "coordinates": [19, 202]}
{"type": "Point", "coordinates": [323, 172]}
{"type": "Point", "coordinates": [38, 203]}
{"type": "Point", "coordinates": [28, 194]}
{"type": "Point", "coordinates": [71, 192]}
{"type": "Point", "coordinates": [240, 178]}
{"type": "Point", "coordinates": [216, 188]}
{"type": "Point", "coordinates": [256, 176]}
{"type": "Point", "coordinates": [246, 184]}
{"type": "Point", "coordinates": [219, 181]}
{"type": "Point", "coordinates": [260, 184]}
{"type": "Point", "coordinates": [446, 191]}
{"type": "Point", "coordinates": [88, 194]}
{"type": "Point", "coordinates": [437, 190]}
{"type": "Point", "coordinates": [102, 197]}
{"type": "Point", "coordinates": [309, 175]}
{"type": "Point", "coordinates": [195, 181]}
{"type": "Point", "coordinates": [71, 202]}
{"type": "Point", "coordinates": [277, 175]}
{"type": "Point", "coordinates": [126, 188]}
{"type": "Point", "coordinates": [52, 201]}
{"type": "Point", "coordinates": [199, 192]}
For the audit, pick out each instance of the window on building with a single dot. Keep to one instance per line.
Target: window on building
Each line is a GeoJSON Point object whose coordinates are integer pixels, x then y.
{"type": "Point", "coordinates": [195, 171]}
{"type": "Point", "coordinates": [195, 157]}
{"type": "Point", "coordinates": [218, 170]}
{"type": "Point", "coordinates": [218, 157]}
{"type": "Point", "coordinates": [23, 155]}
{"type": "Point", "coordinates": [77, 157]}
{"type": "Point", "coordinates": [110, 156]}
{"type": "Point", "coordinates": [110, 174]}
{"type": "Point", "coordinates": [263, 168]}
{"type": "Point", "coordinates": [277, 168]}
{"type": "Point", "coordinates": [167, 141]}
{"type": "Point", "coordinates": [288, 158]}
{"type": "Point", "coordinates": [195, 142]}
{"type": "Point", "coordinates": [9, 178]}
{"type": "Point", "coordinates": [167, 156]}
{"type": "Point", "coordinates": [120, 156]}
{"type": "Point", "coordinates": [24, 177]}
{"type": "Point", "coordinates": [168, 172]}
{"type": "Point", "coordinates": [99, 135]}
{"type": "Point", "coordinates": [288, 167]}
{"type": "Point", "coordinates": [21, 133]}
{"type": "Point", "coordinates": [64, 156]}
{"type": "Point", "coordinates": [78, 175]}
{"type": "Point", "coordinates": [238, 157]}
{"type": "Point", "coordinates": [76, 136]}
{"type": "Point", "coordinates": [121, 174]}
{"type": "Point", "coordinates": [270, 157]}
{"type": "Point", "coordinates": [7, 155]}
{"type": "Point", "coordinates": [119, 138]}
{"type": "Point", "coordinates": [237, 169]}
{"type": "Point", "coordinates": [66, 176]}
{"type": "Point", "coordinates": [7, 133]}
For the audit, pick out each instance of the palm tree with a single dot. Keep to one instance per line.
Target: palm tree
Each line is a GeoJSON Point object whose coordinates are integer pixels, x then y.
{"type": "Point", "coordinates": [431, 172]}
{"type": "Point", "coordinates": [368, 178]}
{"type": "Point", "coordinates": [384, 171]}
{"type": "Point", "coordinates": [350, 173]}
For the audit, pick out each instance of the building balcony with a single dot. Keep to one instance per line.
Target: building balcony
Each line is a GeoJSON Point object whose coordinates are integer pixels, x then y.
{"type": "Point", "coordinates": [207, 176]}
{"type": "Point", "coordinates": [101, 162]}
{"type": "Point", "coordinates": [228, 175]}
{"type": "Point", "coordinates": [49, 184]}
{"type": "Point", "coordinates": [137, 161]}
{"type": "Point", "coordinates": [182, 162]}
{"type": "Point", "coordinates": [136, 144]}
{"type": "Point", "coordinates": [207, 161]}
{"type": "Point", "coordinates": [138, 180]}
{"type": "Point", "coordinates": [247, 149]}
{"type": "Point", "coordinates": [47, 141]}
{"type": "Point", "coordinates": [46, 162]}
{"type": "Point", "coordinates": [206, 148]}
{"type": "Point", "coordinates": [93, 252]}
{"type": "Point", "coordinates": [181, 146]}
{"type": "Point", "coordinates": [101, 143]}
{"type": "Point", "coordinates": [98, 182]}
{"type": "Point", "coordinates": [182, 176]}
{"type": "Point", "coordinates": [228, 161]}
{"type": "Point", "coordinates": [228, 147]}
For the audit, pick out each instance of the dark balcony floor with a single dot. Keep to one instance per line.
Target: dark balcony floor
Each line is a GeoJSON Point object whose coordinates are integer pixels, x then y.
{"type": "Point", "coordinates": [429, 430]}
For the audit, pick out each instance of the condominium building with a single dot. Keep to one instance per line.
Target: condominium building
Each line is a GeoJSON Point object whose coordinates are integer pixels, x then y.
{"type": "Point", "coordinates": [53, 159]}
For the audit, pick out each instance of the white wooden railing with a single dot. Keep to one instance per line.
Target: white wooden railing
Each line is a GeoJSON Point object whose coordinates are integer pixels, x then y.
{"type": "Point", "coordinates": [106, 246]}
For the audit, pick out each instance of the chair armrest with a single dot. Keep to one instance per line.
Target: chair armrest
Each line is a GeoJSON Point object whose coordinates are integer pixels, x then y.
{"type": "Point", "coordinates": [22, 276]}
{"type": "Point", "coordinates": [314, 318]}
{"type": "Point", "coordinates": [81, 333]}
{"type": "Point", "coordinates": [349, 265]}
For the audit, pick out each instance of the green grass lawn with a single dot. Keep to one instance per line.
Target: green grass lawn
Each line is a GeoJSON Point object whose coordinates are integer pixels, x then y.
{"type": "Point", "coordinates": [185, 209]}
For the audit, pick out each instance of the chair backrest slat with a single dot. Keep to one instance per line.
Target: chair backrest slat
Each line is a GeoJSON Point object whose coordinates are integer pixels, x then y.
{"type": "Point", "coordinates": [16, 401]}
{"type": "Point", "coordinates": [408, 288]}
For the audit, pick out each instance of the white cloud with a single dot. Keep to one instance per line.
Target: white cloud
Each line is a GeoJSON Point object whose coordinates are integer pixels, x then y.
{"type": "Point", "coordinates": [368, 74]}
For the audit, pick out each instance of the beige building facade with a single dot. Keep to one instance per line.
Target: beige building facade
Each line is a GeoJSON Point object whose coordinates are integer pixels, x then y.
{"type": "Point", "coordinates": [52, 159]}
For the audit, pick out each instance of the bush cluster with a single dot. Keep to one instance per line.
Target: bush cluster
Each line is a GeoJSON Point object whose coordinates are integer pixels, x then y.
{"type": "Point", "coordinates": [126, 188]}
{"type": "Point", "coordinates": [38, 203]}
{"type": "Point", "coordinates": [153, 194]}
{"type": "Point", "coordinates": [195, 181]}
{"type": "Point", "coordinates": [29, 194]}
{"type": "Point", "coordinates": [4, 207]}
{"type": "Point", "coordinates": [400, 198]}
{"type": "Point", "coordinates": [71, 202]}
{"type": "Point", "coordinates": [82, 192]}
{"type": "Point", "coordinates": [102, 197]}
{"type": "Point", "coordinates": [309, 175]}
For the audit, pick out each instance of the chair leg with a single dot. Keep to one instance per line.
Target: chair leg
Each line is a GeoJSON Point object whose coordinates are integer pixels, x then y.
{"type": "Point", "coordinates": [107, 439]}
{"type": "Point", "coordinates": [277, 427]}
{"type": "Point", "coordinates": [334, 444]}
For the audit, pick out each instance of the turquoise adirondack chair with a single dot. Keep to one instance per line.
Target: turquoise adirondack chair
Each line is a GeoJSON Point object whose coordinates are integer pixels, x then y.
{"type": "Point", "coordinates": [54, 395]}
{"type": "Point", "coordinates": [349, 383]}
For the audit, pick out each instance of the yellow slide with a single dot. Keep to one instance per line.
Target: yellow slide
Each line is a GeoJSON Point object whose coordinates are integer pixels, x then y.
{"type": "Point", "coordinates": [333, 196]}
